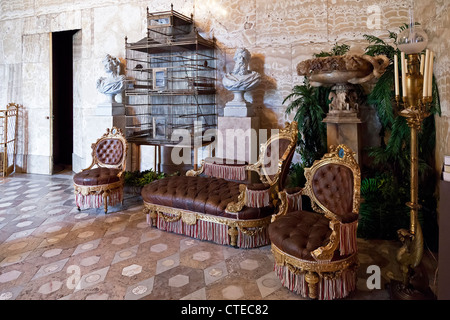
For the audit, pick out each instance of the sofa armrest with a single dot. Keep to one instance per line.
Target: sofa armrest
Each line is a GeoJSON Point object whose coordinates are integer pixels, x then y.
{"type": "Point", "coordinates": [199, 171]}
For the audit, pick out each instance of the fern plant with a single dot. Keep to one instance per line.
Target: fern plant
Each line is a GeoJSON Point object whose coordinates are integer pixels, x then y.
{"type": "Point", "coordinates": [309, 106]}
{"type": "Point", "coordinates": [141, 178]}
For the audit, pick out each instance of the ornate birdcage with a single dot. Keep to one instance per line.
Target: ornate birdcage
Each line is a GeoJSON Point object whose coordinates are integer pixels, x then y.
{"type": "Point", "coordinates": [171, 81]}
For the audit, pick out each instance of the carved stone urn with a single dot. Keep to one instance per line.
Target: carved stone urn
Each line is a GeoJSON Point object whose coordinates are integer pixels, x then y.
{"type": "Point", "coordinates": [342, 73]}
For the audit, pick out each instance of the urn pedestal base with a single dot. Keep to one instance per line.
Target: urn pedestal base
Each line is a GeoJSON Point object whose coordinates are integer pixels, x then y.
{"type": "Point", "coordinates": [344, 128]}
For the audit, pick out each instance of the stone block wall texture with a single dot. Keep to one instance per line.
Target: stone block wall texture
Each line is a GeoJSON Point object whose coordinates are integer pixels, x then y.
{"type": "Point", "coordinates": [435, 17]}
{"type": "Point", "coordinates": [279, 34]}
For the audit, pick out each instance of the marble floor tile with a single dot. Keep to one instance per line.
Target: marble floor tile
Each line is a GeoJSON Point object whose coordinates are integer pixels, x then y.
{"type": "Point", "coordinates": [50, 250]}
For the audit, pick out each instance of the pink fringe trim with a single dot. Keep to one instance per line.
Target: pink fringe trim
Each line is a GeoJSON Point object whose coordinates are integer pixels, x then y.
{"type": "Point", "coordinates": [294, 201]}
{"type": "Point", "coordinates": [294, 282]}
{"type": "Point", "coordinates": [225, 171]}
{"type": "Point", "coordinates": [215, 232]}
{"type": "Point", "coordinates": [327, 288]}
{"type": "Point", "coordinates": [96, 200]}
{"type": "Point", "coordinates": [347, 241]}
{"type": "Point", "coordinates": [257, 198]}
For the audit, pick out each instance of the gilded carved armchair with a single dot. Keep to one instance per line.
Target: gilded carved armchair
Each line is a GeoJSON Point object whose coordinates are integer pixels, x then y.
{"type": "Point", "coordinates": [316, 251]}
{"type": "Point", "coordinates": [102, 182]}
{"type": "Point", "coordinates": [217, 203]}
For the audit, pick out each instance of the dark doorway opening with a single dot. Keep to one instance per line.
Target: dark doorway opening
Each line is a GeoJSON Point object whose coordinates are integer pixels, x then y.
{"type": "Point", "coordinates": [62, 99]}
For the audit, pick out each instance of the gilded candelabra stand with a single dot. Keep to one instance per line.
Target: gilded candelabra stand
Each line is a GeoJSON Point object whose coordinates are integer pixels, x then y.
{"type": "Point", "coordinates": [414, 106]}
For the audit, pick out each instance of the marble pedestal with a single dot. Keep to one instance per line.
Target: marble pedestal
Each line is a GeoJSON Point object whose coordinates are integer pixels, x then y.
{"type": "Point", "coordinates": [238, 107]}
{"type": "Point", "coordinates": [344, 128]}
{"type": "Point", "coordinates": [110, 109]}
{"type": "Point", "coordinates": [96, 126]}
{"type": "Point", "coordinates": [237, 138]}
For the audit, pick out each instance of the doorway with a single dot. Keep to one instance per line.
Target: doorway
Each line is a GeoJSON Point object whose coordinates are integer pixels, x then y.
{"type": "Point", "coordinates": [62, 99]}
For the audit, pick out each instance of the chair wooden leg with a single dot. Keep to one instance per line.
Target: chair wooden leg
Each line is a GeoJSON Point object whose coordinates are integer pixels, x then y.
{"type": "Point", "coordinates": [105, 201]}
{"type": "Point", "coordinates": [233, 232]}
{"type": "Point", "coordinates": [312, 279]}
{"type": "Point", "coordinates": [154, 217]}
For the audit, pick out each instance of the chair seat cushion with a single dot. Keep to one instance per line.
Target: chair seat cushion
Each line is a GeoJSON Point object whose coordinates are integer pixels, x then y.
{"type": "Point", "coordinates": [205, 195]}
{"type": "Point", "coordinates": [96, 176]}
{"type": "Point", "coordinates": [298, 233]}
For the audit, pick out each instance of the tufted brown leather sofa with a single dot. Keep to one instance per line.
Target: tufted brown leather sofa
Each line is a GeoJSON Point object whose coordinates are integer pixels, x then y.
{"type": "Point", "coordinates": [102, 182]}
{"type": "Point", "coordinates": [226, 211]}
{"type": "Point", "coordinates": [316, 251]}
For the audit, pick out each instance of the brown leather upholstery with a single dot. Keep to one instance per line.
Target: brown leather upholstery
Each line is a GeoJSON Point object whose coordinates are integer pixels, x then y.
{"type": "Point", "coordinates": [257, 186]}
{"type": "Point", "coordinates": [300, 232]}
{"type": "Point", "coordinates": [206, 195]}
{"type": "Point", "coordinates": [109, 151]}
{"type": "Point", "coordinates": [332, 185]}
{"type": "Point", "coordinates": [96, 176]}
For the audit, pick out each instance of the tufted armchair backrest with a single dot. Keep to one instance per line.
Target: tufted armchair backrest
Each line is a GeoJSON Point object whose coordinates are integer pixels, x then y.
{"type": "Point", "coordinates": [276, 155]}
{"type": "Point", "coordinates": [333, 183]}
{"type": "Point", "coordinates": [110, 150]}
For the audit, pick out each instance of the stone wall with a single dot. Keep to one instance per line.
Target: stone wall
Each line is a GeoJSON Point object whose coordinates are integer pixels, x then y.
{"type": "Point", "coordinates": [279, 34]}
{"type": "Point", "coordinates": [435, 17]}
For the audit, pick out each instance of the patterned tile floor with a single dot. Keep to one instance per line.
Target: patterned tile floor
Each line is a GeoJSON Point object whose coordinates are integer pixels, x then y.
{"type": "Point", "coordinates": [49, 250]}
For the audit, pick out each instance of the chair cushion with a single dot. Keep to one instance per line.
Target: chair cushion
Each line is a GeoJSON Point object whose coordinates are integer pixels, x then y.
{"type": "Point", "coordinates": [298, 233]}
{"type": "Point", "coordinates": [205, 195]}
{"type": "Point", "coordinates": [96, 176]}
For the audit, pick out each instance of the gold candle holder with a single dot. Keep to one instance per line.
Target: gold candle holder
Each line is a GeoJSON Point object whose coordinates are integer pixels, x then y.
{"type": "Point", "coordinates": [415, 108]}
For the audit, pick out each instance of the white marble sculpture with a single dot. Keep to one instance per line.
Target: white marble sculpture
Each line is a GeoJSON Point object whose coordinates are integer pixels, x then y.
{"type": "Point", "coordinates": [240, 80]}
{"type": "Point", "coordinates": [114, 82]}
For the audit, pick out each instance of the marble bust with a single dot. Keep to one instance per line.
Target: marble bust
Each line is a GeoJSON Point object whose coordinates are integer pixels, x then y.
{"type": "Point", "coordinates": [114, 82]}
{"type": "Point", "coordinates": [241, 78]}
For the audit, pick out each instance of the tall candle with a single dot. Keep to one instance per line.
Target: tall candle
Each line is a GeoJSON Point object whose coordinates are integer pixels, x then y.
{"type": "Point", "coordinates": [430, 74]}
{"type": "Point", "coordinates": [397, 89]}
{"type": "Point", "coordinates": [422, 63]}
{"type": "Point", "coordinates": [403, 64]}
{"type": "Point", "coordinates": [425, 73]}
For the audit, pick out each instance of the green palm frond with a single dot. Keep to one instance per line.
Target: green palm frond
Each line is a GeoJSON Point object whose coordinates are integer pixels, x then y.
{"type": "Point", "coordinates": [381, 97]}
